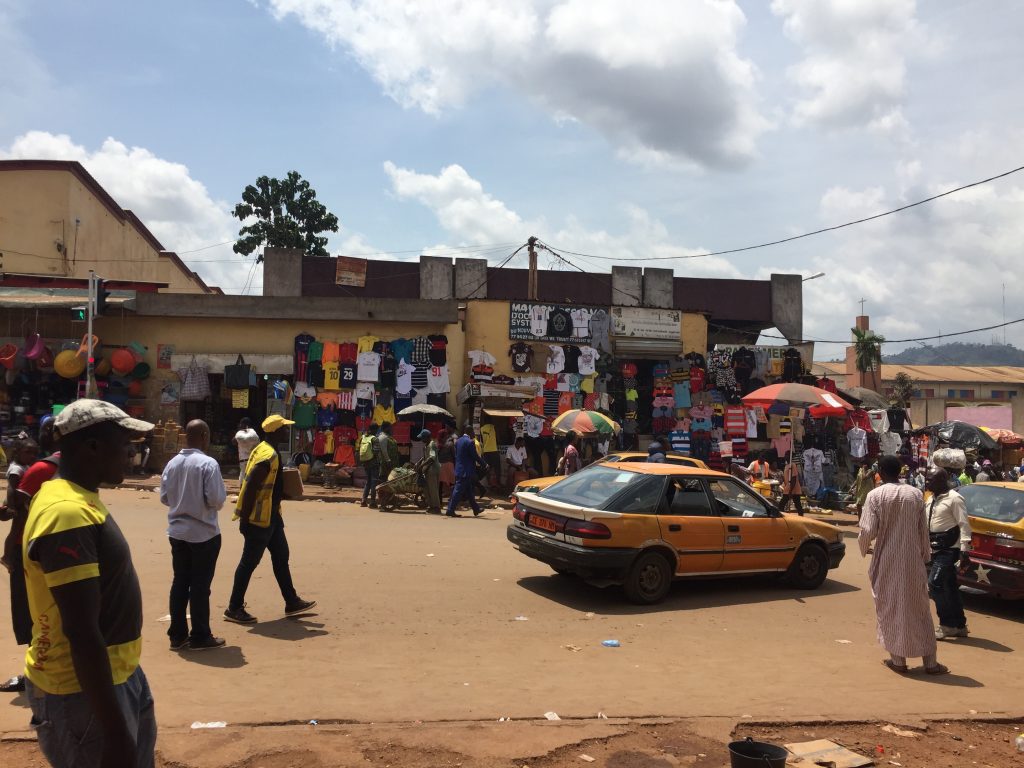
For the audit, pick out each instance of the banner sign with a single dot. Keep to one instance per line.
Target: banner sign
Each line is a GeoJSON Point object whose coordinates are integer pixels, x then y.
{"type": "Point", "coordinates": [646, 323]}
{"type": "Point", "coordinates": [350, 272]}
{"type": "Point", "coordinates": [566, 323]}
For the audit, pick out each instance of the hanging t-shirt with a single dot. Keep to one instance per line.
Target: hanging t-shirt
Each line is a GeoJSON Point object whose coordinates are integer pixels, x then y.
{"type": "Point", "coordinates": [599, 328]}
{"type": "Point", "coordinates": [858, 442]}
{"type": "Point", "coordinates": [382, 415]}
{"type": "Point", "coordinates": [327, 399]}
{"type": "Point", "coordinates": [488, 438]}
{"type": "Point", "coordinates": [572, 359]}
{"type": "Point", "coordinates": [304, 414]}
{"type": "Point", "coordinates": [346, 400]}
{"type": "Point", "coordinates": [587, 362]}
{"type": "Point", "coordinates": [533, 425]}
{"type": "Point", "coordinates": [420, 351]}
{"type": "Point", "coordinates": [387, 370]}
{"type": "Point", "coordinates": [402, 349]}
{"type": "Point", "coordinates": [522, 357]}
{"type": "Point", "coordinates": [365, 391]}
{"type": "Point", "coordinates": [565, 402]}
{"type": "Point", "coordinates": [365, 343]}
{"type": "Point", "coordinates": [438, 354]}
{"type": "Point", "coordinates": [437, 380]}
{"type": "Point", "coordinates": [315, 351]}
{"type": "Point", "coordinates": [332, 376]}
{"type": "Point", "coordinates": [481, 365]}
{"type": "Point", "coordinates": [332, 352]}
{"type": "Point", "coordinates": [556, 359]}
{"type": "Point", "coordinates": [681, 394]}
{"type": "Point", "coordinates": [403, 376]}
{"type": "Point", "coordinates": [348, 352]}
{"type": "Point", "coordinates": [368, 366]}
{"type": "Point", "coordinates": [560, 323]}
{"type": "Point", "coordinates": [347, 376]}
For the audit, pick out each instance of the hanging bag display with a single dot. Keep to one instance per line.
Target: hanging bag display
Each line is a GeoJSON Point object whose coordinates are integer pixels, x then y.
{"type": "Point", "coordinates": [195, 382]}
{"type": "Point", "coordinates": [237, 376]}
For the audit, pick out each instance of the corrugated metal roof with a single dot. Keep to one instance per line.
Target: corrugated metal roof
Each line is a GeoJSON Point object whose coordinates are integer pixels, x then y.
{"type": "Point", "coordinates": [968, 374]}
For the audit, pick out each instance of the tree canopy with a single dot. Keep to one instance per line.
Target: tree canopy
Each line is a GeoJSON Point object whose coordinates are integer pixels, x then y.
{"type": "Point", "coordinates": [867, 350]}
{"type": "Point", "coordinates": [287, 214]}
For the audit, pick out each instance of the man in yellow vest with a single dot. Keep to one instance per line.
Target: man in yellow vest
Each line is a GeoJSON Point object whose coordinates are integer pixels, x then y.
{"type": "Point", "coordinates": [259, 508]}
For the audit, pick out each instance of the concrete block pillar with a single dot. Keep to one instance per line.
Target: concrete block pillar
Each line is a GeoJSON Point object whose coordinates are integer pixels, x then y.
{"type": "Point", "coordinates": [627, 286]}
{"type": "Point", "coordinates": [788, 306]}
{"type": "Point", "coordinates": [470, 278]}
{"type": "Point", "coordinates": [436, 275]}
{"type": "Point", "coordinates": [659, 287]}
{"type": "Point", "coordinates": [282, 272]}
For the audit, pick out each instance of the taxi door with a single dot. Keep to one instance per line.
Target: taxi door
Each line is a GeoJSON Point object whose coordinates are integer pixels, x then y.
{"type": "Point", "coordinates": [756, 537]}
{"type": "Point", "coordinates": [691, 526]}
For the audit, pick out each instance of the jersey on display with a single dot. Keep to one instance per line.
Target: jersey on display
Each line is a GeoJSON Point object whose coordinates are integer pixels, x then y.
{"type": "Point", "coordinates": [522, 357]}
{"type": "Point", "coordinates": [369, 366]}
{"type": "Point", "coordinates": [560, 323]}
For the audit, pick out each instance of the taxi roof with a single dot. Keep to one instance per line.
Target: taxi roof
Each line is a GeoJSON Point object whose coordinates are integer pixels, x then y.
{"type": "Point", "coordinates": [1013, 486]}
{"type": "Point", "coordinates": [663, 469]}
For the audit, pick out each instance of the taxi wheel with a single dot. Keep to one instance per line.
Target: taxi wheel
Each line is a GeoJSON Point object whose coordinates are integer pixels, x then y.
{"type": "Point", "coordinates": [649, 580]}
{"type": "Point", "coordinates": [809, 568]}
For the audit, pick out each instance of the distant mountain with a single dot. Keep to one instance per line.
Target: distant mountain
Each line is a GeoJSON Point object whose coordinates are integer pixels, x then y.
{"type": "Point", "coordinates": [959, 353]}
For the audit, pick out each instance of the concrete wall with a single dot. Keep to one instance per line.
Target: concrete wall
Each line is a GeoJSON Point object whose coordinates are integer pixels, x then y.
{"type": "Point", "coordinates": [788, 306]}
{"type": "Point", "coordinates": [627, 286]}
{"type": "Point", "coordinates": [282, 271]}
{"type": "Point", "coordinates": [436, 277]}
{"type": "Point", "coordinates": [659, 288]}
{"type": "Point", "coordinates": [38, 209]}
{"type": "Point", "coordinates": [471, 278]}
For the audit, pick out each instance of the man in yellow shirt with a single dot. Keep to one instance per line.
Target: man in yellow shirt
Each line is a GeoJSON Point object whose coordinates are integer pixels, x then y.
{"type": "Point", "coordinates": [91, 703]}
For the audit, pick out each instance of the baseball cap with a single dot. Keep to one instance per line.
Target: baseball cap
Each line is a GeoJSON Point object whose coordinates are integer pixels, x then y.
{"type": "Point", "coordinates": [424, 434]}
{"type": "Point", "coordinates": [274, 422]}
{"type": "Point", "coordinates": [85, 413]}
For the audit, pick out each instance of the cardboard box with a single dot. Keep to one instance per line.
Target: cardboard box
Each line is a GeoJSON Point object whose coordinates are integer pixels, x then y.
{"type": "Point", "coordinates": [292, 483]}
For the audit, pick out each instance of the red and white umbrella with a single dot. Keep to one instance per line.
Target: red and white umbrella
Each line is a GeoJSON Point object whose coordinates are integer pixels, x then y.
{"type": "Point", "coordinates": [820, 402]}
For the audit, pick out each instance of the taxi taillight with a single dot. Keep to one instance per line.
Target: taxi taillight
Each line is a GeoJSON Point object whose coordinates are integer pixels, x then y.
{"type": "Point", "coordinates": [586, 529]}
{"type": "Point", "coordinates": [519, 512]}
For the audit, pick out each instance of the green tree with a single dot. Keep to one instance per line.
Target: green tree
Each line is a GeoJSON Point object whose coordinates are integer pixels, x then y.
{"type": "Point", "coordinates": [903, 387]}
{"type": "Point", "coordinates": [867, 350]}
{"type": "Point", "coordinates": [287, 214]}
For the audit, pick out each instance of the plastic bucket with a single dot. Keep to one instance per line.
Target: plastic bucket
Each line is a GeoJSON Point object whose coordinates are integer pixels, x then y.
{"type": "Point", "coordinates": [756, 754]}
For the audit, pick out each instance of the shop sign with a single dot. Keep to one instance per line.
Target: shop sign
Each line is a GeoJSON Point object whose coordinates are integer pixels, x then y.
{"type": "Point", "coordinates": [646, 323]}
{"type": "Point", "coordinates": [350, 272]}
{"type": "Point", "coordinates": [775, 353]}
{"type": "Point", "coordinates": [531, 321]}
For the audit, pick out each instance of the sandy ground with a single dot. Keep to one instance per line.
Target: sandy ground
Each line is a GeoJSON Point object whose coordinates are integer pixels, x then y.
{"type": "Point", "coordinates": [417, 622]}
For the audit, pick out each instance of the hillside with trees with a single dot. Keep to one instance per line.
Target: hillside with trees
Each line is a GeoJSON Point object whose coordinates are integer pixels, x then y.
{"type": "Point", "coordinates": [959, 353]}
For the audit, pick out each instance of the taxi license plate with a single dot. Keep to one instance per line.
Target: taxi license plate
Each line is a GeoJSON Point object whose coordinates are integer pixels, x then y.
{"type": "Point", "coordinates": [543, 523]}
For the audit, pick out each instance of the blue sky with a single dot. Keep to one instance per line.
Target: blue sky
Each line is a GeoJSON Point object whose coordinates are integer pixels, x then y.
{"type": "Point", "coordinates": [683, 126]}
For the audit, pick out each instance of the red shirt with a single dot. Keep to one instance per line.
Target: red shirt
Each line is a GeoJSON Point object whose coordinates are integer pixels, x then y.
{"type": "Point", "coordinates": [36, 475]}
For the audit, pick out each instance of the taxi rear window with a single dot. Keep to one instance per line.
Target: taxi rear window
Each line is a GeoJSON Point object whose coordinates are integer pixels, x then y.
{"type": "Point", "coordinates": [592, 488]}
{"type": "Point", "coordinates": [1003, 505]}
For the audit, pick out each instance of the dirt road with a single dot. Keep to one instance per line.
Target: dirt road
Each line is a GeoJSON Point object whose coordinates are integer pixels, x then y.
{"type": "Point", "coordinates": [417, 621]}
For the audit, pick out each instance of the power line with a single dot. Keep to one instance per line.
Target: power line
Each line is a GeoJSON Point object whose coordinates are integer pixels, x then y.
{"type": "Point", "coordinates": [805, 234]}
{"type": "Point", "coordinates": [756, 334]}
{"type": "Point", "coordinates": [487, 246]}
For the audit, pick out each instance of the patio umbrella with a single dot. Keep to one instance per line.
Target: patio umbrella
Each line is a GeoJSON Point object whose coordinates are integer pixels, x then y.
{"type": "Point", "coordinates": [584, 423]}
{"type": "Point", "coordinates": [866, 397]}
{"type": "Point", "coordinates": [425, 409]}
{"type": "Point", "coordinates": [1004, 436]}
{"type": "Point", "coordinates": [819, 401]}
{"type": "Point", "coordinates": [960, 434]}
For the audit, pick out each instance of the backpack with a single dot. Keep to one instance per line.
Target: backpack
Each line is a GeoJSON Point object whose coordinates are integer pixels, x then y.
{"type": "Point", "coordinates": [365, 448]}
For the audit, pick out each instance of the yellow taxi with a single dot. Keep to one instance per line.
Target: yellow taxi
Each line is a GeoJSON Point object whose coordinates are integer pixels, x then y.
{"type": "Point", "coordinates": [536, 484]}
{"type": "Point", "coordinates": [996, 513]}
{"type": "Point", "coordinates": [643, 525]}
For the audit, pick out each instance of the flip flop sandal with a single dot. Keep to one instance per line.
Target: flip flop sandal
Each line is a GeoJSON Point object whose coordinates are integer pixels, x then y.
{"type": "Point", "coordinates": [938, 669]}
{"type": "Point", "coordinates": [900, 669]}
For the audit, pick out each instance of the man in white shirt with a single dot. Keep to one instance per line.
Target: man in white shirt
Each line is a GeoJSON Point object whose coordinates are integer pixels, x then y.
{"type": "Point", "coordinates": [517, 459]}
{"type": "Point", "coordinates": [246, 439]}
{"type": "Point", "coordinates": [193, 490]}
{"type": "Point", "coordinates": [949, 531]}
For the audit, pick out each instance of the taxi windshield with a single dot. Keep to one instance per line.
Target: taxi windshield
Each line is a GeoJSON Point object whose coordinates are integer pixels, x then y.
{"type": "Point", "coordinates": [593, 488]}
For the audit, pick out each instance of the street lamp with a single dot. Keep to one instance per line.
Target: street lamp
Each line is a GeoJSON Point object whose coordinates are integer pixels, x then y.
{"type": "Point", "coordinates": [813, 277]}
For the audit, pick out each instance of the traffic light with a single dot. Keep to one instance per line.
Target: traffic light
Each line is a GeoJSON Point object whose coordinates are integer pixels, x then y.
{"type": "Point", "coordinates": [79, 314]}
{"type": "Point", "coordinates": [101, 297]}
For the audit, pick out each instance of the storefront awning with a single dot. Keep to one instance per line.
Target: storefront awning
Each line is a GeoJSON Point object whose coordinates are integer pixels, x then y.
{"type": "Point", "coordinates": [507, 413]}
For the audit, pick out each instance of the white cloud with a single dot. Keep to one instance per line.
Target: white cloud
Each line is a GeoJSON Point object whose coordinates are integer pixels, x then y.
{"type": "Point", "coordinates": [472, 216]}
{"type": "Point", "coordinates": [173, 205]}
{"type": "Point", "coordinates": [669, 80]}
{"type": "Point", "coordinates": [854, 67]}
{"type": "Point", "coordinates": [25, 81]}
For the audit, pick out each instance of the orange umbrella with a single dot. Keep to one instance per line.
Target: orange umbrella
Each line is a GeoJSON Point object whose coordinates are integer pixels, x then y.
{"type": "Point", "coordinates": [820, 402]}
{"type": "Point", "coordinates": [1004, 436]}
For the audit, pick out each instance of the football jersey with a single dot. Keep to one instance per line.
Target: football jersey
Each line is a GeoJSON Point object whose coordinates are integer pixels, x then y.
{"type": "Point", "coordinates": [369, 366]}
{"type": "Point", "coordinates": [538, 320]}
{"type": "Point", "coordinates": [403, 376]}
{"type": "Point", "coordinates": [332, 376]}
{"type": "Point", "coordinates": [522, 357]}
{"type": "Point", "coordinates": [437, 380]}
{"type": "Point", "coordinates": [347, 378]}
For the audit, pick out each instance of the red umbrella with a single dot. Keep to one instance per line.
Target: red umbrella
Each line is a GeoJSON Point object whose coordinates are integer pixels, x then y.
{"type": "Point", "coordinates": [820, 402]}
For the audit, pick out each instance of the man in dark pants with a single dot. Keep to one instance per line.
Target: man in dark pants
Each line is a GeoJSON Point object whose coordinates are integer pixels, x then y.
{"type": "Point", "coordinates": [259, 508]}
{"type": "Point", "coordinates": [91, 703]}
{"type": "Point", "coordinates": [467, 461]}
{"type": "Point", "coordinates": [949, 531]}
{"type": "Point", "coordinates": [193, 490]}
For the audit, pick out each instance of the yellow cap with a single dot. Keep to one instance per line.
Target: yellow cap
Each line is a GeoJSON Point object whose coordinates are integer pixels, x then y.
{"type": "Point", "coordinates": [275, 422]}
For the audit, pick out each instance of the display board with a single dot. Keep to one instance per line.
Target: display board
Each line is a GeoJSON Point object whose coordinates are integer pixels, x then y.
{"type": "Point", "coordinates": [535, 321]}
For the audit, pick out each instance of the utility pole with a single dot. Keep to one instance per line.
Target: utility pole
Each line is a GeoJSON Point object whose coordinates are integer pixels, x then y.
{"type": "Point", "coordinates": [90, 360]}
{"type": "Point", "coordinates": [531, 282]}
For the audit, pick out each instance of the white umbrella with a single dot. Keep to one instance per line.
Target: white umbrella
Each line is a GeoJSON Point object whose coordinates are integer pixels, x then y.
{"type": "Point", "coordinates": [425, 409]}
